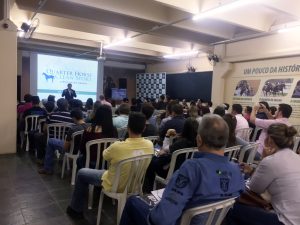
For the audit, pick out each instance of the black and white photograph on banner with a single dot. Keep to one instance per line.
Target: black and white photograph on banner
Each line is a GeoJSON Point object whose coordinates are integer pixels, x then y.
{"type": "Point", "coordinates": [247, 88]}
{"type": "Point", "coordinates": [277, 87]}
{"type": "Point", "coordinates": [296, 93]}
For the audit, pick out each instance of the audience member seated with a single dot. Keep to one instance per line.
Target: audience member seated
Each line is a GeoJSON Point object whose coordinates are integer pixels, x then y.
{"type": "Point", "coordinates": [210, 105]}
{"type": "Point", "coordinates": [102, 127]}
{"type": "Point", "coordinates": [27, 105]}
{"type": "Point", "coordinates": [231, 123]}
{"type": "Point", "coordinates": [63, 146]}
{"type": "Point", "coordinates": [226, 107]}
{"type": "Point", "coordinates": [36, 109]}
{"type": "Point", "coordinates": [134, 106]}
{"type": "Point", "coordinates": [242, 123]}
{"type": "Point", "coordinates": [208, 178]}
{"type": "Point", "coordinates": [62, 115]}
{"type": "Point", "coordinates": [122, 120]}
{"type": "Point", "coordinates": [168, 114]}
{"type": "Point", "coordinates": [161, 104]}
{"type": "Point", "coordinates": [176, 122]}
{"type": "Point", "coordinates": [150, 129]}
{"type": "Point", "coordinates": [273, 110]}
{"type": "Point", "coordinates": [278, 174]}
{"type": "Point", "coordinates": [91, 116]}
{"type": "Point", "coordinates": [263, 111]}
{"type": "Point", "coordinates": [193, 112]}
{"type": "Point", "coordinates": [89, 104]}
{"type": "Point", "coordinates": [219, 110]}
{"type": "Point", "coordinates": [75, 104]}
{"type": "Point", "coordinates": [203, 111]}
{"type": "Point", "coordinates": [103, 101]}
{"type": "Point", "coordinates": [282, 115]}
{"type": "Point", "coordinates": [118, 151]}
{"type": "Point", "coordinates": [247, 113]}
{"type": "Point", "coordinates": [160, 164]}
{"type": "Point", "coordinates": [50, 104]}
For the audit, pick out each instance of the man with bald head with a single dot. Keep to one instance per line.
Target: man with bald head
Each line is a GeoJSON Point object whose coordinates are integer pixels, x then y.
{"type": "Point", "coordinates": [207, 178]}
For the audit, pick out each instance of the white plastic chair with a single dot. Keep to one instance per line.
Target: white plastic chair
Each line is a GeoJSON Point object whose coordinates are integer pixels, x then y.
{"type": "Point", "coordinates": [31, 123]}
{"type": "Point", "coordinates": [122, 133]}
{"type": "Point", "coordinates": [152, 138]}
{"type": "Point", "coordinates": [244, 133]}
{"type": "Point", "coordinates": [57, 130]}
{"type": "Point", "coordinates": [296, 143]}
{"type": "Point", "coordinates": [232, 152]}
{"type": "Point", "coordinates": [256, 130]}
{"type": "Point", "coordinates": [251, 148]}
{"type": "Point", "coordinates": [70, 155]}
{"type": "Point", "coordinates": [101, 144]}
{"type": "Point", "coordinates": [216, 212]}
{"type": "Point", "coordinates": [188, 152]}
{"type": "Point", "coordinates": [136, 175]}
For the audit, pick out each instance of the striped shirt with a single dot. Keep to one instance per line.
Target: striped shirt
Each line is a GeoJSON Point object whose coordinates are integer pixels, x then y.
{"type": "Point", "coordinates": [60, 117]}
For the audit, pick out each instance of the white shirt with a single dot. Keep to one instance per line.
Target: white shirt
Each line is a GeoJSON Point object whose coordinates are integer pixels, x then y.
{"type": "Point", "coordinates": [279, 175]}
{"type": "Point", "coordinates": [242, 123]}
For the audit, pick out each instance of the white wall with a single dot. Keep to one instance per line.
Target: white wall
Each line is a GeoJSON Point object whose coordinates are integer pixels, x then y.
{"type": "Point", "coordinates": [8, 90]}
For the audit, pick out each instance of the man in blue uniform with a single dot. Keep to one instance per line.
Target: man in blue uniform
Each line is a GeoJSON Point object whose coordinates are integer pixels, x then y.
{"type": "Point", "coordinates": [207, 178]}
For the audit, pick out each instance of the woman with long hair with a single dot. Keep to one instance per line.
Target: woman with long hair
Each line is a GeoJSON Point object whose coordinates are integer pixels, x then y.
{"type": "Point", "coordinates": [91, 115]}
{"type": "Point", "coordinates": [278, 175]}
{"type": "Point", "coordinates": [231, 122]}
{"type": "Point", "coordinates": [102, 127]}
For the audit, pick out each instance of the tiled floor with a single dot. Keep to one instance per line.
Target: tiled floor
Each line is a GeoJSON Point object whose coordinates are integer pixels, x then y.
{"type": "Point", "coordinates": [32, 199]}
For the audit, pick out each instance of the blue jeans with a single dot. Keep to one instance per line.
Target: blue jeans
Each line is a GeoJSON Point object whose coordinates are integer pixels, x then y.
{"type": "Point", "coordinates": [135, 212]}
{"type": "Point", "coordinates": [85, 177]}
{"type": "Point", "coordinates": [53, 144]}
{"type": "Point", "coordinates": [242, 214]}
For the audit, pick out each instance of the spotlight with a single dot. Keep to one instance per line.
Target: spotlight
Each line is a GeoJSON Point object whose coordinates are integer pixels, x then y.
{"type": "Point", "coordinates": [25, 27]}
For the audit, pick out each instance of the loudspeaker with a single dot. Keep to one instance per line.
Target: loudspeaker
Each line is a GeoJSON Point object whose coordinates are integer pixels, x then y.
{"type": "Point", "coordinates": [122, 83]}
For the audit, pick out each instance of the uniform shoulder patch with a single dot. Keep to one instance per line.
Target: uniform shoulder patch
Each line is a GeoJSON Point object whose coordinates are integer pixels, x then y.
{"type": "Point", "coordinates": [182, 181]}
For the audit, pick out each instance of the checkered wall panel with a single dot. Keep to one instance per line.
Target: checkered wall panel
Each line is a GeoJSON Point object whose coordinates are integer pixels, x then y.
{"type": "Point", "coordinates": [150, 85]}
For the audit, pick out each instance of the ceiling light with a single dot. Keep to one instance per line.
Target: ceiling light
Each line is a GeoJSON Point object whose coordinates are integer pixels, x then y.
{"type": "Point", "coordinates": [117, 43]}
{"type": "Point", "coordinates": [223, 8]}
{"type": "Point", "coordinates": [288, 29]}
{"type": "Point", "coordinates": [182, 54]}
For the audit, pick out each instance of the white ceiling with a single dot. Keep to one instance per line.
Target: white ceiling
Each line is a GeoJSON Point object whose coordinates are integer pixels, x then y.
{"type": "Point", "coordinates": [78, 26]}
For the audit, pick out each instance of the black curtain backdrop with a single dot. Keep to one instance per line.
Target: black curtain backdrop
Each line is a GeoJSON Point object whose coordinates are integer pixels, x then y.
{"type": "Point", "coordinates": [190, 86]}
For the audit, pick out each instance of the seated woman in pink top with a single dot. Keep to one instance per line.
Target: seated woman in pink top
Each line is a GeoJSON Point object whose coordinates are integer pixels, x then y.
{"type": "Point", "coordinates": [278, 177]}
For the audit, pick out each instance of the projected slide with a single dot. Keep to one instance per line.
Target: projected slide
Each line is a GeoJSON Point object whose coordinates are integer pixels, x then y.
{"type": "Point", "coordinates": [54, 73]}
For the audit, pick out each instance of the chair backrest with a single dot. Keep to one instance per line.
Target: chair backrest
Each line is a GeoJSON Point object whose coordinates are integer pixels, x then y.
{"type": "Point", "coordinates": [57, 130]}
{"type": "Point", "coordinates": [41, 124]}
{"type": "Point", "coordinates": [244, 133]}
{"type": "Point", "coordinates": [296, 143]}
{"type": "Point", "coordinates": [122, 132]}
{"type": "Point", "coordinates": [101, 144]}
{"type": "Point", "coordinates": [232, 152]}
{"type": "Point", "coordinates": [136, 175]}
{"type": "Point", "coordinates": [255, 133]}
{"type": "Point", "coordinates": [152, 138]}
{"type": "Point", "coordinates": [75, 143]}
{"type": "Point", "coordinates": [31, 122]}
{"type": "Point", "coordinates": [216, 212]}
{"type": "Point", "coordinates": [251, 148]}
{"type": "Point", "coordinates": [186, 152]}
